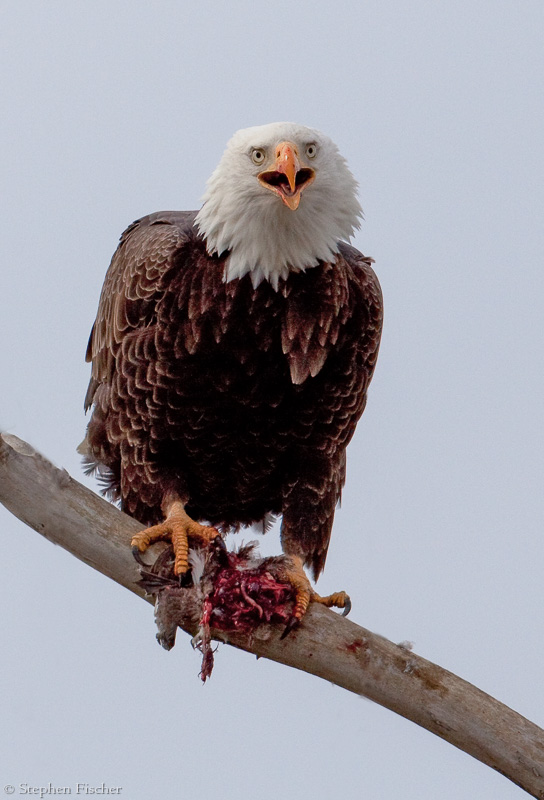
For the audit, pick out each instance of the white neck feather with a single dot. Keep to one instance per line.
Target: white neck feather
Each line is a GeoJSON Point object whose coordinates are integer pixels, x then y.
{"type": "Point", "coordinates": [262, 236]}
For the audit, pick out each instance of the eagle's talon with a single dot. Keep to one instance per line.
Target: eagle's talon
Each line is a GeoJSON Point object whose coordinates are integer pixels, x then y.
{"type": "Point", "coordinates": [178, 528]}
{"type": "Point", "coordinates": [137, 557]}
{"type": "Point", "coordinates": [347, 606]}
{"type": "Point", "coordinates": [186, 579]}
{"type": "Point", "coordinates": [335, 600]}
{"type": "Point", "coordinates": [292, 624]}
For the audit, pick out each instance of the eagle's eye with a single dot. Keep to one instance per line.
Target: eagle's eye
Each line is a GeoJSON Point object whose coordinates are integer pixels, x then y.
{"type": "Point", "coordinates": [257, 155]}
{"type": "Point", "coordinates": [311, 150]}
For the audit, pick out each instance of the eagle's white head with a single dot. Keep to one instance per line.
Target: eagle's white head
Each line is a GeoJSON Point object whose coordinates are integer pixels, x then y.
{"type": "Point", "coordinates": [280, 200]}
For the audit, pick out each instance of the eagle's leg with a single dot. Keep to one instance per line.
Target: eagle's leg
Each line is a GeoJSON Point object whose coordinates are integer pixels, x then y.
{"type": "Point", "coordinates": [294, 574]}
{"type": "Point", "coordinates": [179, 528]}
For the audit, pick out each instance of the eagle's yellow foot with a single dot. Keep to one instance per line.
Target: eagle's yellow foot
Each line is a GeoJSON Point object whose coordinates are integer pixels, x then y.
{"type": "Point", "coordinates": [304, 594]}
{"type": "Point", "coordinates": [179, 528]}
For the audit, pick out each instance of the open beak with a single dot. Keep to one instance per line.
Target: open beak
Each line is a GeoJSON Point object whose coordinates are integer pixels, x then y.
{"type": "Point", "coordinates": [287, 178]}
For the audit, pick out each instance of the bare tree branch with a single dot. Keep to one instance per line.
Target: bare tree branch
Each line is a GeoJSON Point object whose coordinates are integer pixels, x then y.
{"type": "Point", "coordinates": [326, 645]}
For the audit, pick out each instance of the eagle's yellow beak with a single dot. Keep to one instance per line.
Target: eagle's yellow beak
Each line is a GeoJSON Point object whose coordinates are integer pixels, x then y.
{"type": "Point", "coordinates": [287, 178]}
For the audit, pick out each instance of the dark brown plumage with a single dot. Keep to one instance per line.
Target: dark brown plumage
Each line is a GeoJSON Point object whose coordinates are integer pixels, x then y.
{"type": "Point", "coordinates": [241, 400]}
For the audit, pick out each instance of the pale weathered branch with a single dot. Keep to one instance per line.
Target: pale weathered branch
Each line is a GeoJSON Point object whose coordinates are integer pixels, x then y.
{"type": "Point", "coordinates": [326, 645]}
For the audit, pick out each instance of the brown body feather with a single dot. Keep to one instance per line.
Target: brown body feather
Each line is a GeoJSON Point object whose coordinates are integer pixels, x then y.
{"type": "Point", "coordinates": [240, 399]}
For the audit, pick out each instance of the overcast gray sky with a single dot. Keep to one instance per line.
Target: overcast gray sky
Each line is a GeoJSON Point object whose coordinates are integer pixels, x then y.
{"type": "Point", "coordinates": [111, 110]}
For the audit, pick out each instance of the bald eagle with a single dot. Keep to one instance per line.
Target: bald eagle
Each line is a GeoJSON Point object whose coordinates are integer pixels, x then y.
{"type": "Point", "coordinates": [232, 352]}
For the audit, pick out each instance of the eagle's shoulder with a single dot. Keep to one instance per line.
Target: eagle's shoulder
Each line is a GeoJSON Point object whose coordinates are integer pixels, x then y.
{"type": "Point", "coordinates": [179, 222]}
{"type": "Point", "coordinates": [361, 272]}
{"type": "Point", "coordinates": [366, 307]}
{"type": "Point", "coordinates": [365, 286]}
{"type": "Point", "coordinates": [147, 249]}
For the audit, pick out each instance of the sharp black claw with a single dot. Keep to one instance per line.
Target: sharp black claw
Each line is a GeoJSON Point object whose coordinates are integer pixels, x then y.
{"type": "Point", "coordinates": [138, 557]}
{"type": "Point", "coordinates": [186, 579]}
{"type": "Point", "coordinates": [347, 606]}
{"type": "Point", "coordinates": [293, 623]}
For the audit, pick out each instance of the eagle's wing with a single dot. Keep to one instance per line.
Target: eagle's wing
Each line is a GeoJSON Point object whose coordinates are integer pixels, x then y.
{"type": "Point", "coordinates": [132, 287]}
{"type": "Point", "coordinates": [351, 336]}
